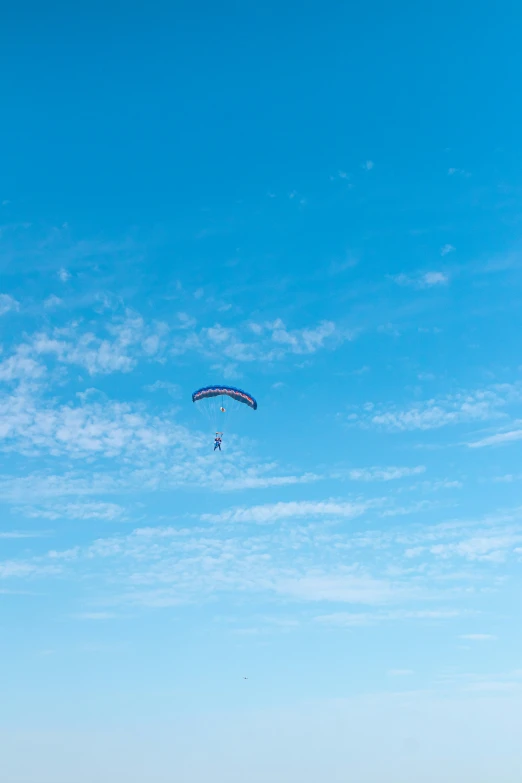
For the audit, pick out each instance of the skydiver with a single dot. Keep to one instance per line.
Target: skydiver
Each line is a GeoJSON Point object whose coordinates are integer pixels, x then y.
{"type": "Point", "coordinates": [217, 441]}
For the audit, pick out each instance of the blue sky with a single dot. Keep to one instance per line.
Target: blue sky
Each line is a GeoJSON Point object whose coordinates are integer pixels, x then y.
{"type": "Point", "coordinates": [320, 204]}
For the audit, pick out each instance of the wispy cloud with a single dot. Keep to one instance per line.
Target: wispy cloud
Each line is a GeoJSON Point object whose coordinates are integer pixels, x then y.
{"type": "Point", "coordinates": [490, 547]}
{"type": "Point", "coordinates": [368, 165]}
{"type": "Point", "coordinates": [445, 249]}
{"type": "Point", "coordinates": [129, 339]}
{"type": "Point", "coordinates": [495, 686]}
{"type": "Point", "coordinates": [350, 619]}
{"type": "Point", "coordinates": [453, 172]}
{"type": "Point", "coordinates": [500, 439]}
{"type": "Point", "coordinates": [228, 371]}
{"type": "Point", "coordinates": [8, 304]}
{"type": "Point", "coordinates": [20, 569]}
{"type": "Point", "coordinates": [254, 479]}
{"type": "Point", "coordinates": [42, 486]}
{"type": "Point", "coordinates": [118, 344]}
{"type": "Point", "coordinates": [307, 340]}
{"type": "Point", "coordinates": [95, 616]}
{"type": "Point", "coordinates": [92, 510]}
{"type": "Point", "coordinates": [186, 321]}
{"type": "Point", "coordinates": [422, 280]}
{"type": "Point", "coordinates": [273, 512]}
{"type": "Point", "coordinates": [21, 534]}
{"type": "Point", "coordinates": [479, 405]}
{"type": "Point", "coordinates": [171, 388]}
{"type": "Point", "coordinates": [64, 555]}
{"type": "Point", "coordinates": [52, 302]}
{"type": "Point", "coordinates": [351, 586]}
{"type": "Point", "coordinates": [266, 341]}
{"type": "Point", "coordinates": [92, 429]}
{"type": "Point", "coordinates": [491, 540]}
{"type": "Point", "coordinates": [21, 367]}
{"type": "Point", "coordinates": [478, 637]}
{"type": "Point", "coordinates": [310, 563]}
{"type": "Point", "coordinates": [302, 341]}
{"type": "Point", "coordinates": [383, 474]}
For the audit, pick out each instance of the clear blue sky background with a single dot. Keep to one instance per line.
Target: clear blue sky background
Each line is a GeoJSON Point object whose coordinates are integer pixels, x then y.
{"type": "Point", "coordinates": [320, 203]}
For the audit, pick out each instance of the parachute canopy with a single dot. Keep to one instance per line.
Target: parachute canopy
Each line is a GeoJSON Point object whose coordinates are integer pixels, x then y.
{"type": "Point", "coordinates": [225, 391]}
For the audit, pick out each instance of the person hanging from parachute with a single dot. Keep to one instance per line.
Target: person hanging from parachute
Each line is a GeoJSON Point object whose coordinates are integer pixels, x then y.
{"type": "Point", "coordinates": [209, 394]}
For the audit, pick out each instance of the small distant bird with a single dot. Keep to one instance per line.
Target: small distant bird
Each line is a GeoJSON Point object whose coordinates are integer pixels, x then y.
{"type": "Point", "coordinates": [245, 678]}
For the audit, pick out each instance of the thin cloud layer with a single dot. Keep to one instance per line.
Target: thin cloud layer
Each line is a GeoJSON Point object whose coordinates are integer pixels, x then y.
{"type": "Point", "coordinates": [463, 407]}
{"type": "Point", "coordinates": [163, 567]}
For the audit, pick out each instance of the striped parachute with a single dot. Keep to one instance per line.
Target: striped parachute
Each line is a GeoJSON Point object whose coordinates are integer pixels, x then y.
{"type": "Point", "coordinates": [222, 405]}
{"type": "Point", "coordinates": [224, 391]}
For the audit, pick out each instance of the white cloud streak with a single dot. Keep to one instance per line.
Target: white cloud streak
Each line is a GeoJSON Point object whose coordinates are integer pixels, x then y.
{"type": "Point", "coordinates": [384, 474]}
{"type": "Point", "coordinates": [80, 511]}
{"type": "Point", "coordinates": [350, 619]}
{"type": "Point", "coordinates": [424, 280]}
{"type": "Point", "coordinates": [23, 569]}
{"type": "Point", "coordinates": [477, 637]}
{"type": "Point", "coordinates": [500, 439]}
{"type": "Point", "coordinates": [479, 405]}
{"type": "Point", "coordinates": [273, 512]}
